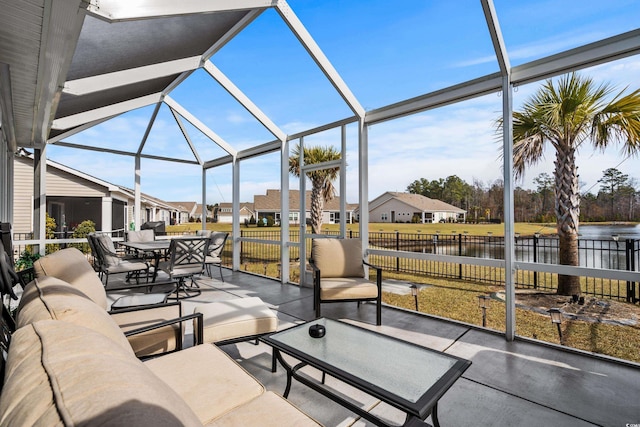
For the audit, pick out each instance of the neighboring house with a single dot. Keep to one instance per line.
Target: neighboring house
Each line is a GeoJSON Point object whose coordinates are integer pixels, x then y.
{"type": "Point", "coordinates": [197, 214]}
{"type": "Point", "coordinates": [403, 207]}
{"type": "Point", "coordinates": [269, 205]}
{"type": "Point", "coordinates": [225, 212]}
{"type": "Point", "coordinates": [185, 211]}
{"type": "Point", "coordinates": [74, 196]}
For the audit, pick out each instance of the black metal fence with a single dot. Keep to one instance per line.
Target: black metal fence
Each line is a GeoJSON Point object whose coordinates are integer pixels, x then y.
{"type": "Point", "coordinates": [264, 258]}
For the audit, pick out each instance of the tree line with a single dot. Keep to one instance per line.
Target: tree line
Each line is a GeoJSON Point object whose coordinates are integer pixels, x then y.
{"type": "Point", "coordinates": [615, 197]}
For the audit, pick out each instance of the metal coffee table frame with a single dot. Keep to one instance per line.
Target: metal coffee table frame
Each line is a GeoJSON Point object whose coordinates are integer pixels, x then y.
{"type": "Point", "coordinates": [426, 404]}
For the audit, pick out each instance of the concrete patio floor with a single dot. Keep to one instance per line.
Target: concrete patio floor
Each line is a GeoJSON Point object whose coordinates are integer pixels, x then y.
{"type": "Point", "coordinates": [509, 383]}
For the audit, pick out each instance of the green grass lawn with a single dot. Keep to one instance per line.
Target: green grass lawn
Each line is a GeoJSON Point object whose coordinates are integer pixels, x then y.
{"type": "Point", "coordinates": [473, 229]}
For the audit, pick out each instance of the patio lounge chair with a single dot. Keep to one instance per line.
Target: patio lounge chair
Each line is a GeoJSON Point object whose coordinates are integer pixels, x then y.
{"type": "Point", "coordinates": [109, 262]}
{"type": "Point", "coordinates": [216, 246]}
{"type": "Point", "coordinates": [186, 259]}
{"type": "Point", "coordinates": [339, 274]}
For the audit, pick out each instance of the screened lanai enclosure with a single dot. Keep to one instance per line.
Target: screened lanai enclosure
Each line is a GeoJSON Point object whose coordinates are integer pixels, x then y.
{"type": "Point", "coordinates": [224, 90]}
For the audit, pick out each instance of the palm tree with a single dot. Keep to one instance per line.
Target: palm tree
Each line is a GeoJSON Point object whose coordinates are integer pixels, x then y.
{"type": "Point", "coordinates": [566, 116]}
{"type": "Point", "coordinates": [321, 180]}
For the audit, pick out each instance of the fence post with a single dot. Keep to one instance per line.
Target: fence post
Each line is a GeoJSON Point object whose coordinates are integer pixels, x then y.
{"type": "Point", "coordinates": [460, 254]}
{"type": "Point", "coordinates": [535, 259]}
{"type": "Point", "coordinates": [397, 249]}
{"type": "Point", "coordinates": [241, 242]}
{"type": "Point", "coordinates": [351, 234]}
{"type": "Point", "coordinates": [630, 264]}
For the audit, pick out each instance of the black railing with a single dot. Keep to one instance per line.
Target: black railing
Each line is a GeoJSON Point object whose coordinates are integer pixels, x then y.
{"type": "Point", "coordinates": [264, 258]}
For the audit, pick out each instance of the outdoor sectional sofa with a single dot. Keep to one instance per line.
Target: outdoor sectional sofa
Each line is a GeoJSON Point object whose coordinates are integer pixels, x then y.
{"type": "Point", "coordinates": [69, 363]}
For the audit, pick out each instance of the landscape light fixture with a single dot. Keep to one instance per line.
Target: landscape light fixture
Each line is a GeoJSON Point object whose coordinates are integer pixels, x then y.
{"type": "Point", "coordinates": [414, 292]}
{"type": "Point", "coordinates": [536, 235]}
{"type": "Point", "coordinates": [483, 303]}
{"type": "Point", "coordinates": [516, 235]}
{"type": "Point", "coordinates": [556, 318]}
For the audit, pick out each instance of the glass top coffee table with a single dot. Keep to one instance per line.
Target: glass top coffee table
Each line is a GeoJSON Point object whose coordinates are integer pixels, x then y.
{"type": "Point", "coordinates": [407, 376]}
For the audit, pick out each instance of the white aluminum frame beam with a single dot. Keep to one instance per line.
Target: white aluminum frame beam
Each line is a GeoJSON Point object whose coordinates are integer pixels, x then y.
{"type": "Point", "coordinates": [129, 76]}
{"type": "Point", "coordinates": [610, 49]}
{"type": "Point", "coordinates": [77, 129]}
{"type": "Point", "coordinates": [318, 56]}
{"type": "Point", "coordinates": [147, 131]}
{"type": "Point", "coordinates": [491, 83]}
{"type": "Point", "coordinates": [302, 215]}
{"type": "Point", "coordinates": [200, 126]}
{"type": "Point", "coordinates": [284, 212]}
{"type": "Point", "coordinates": [239, 96]}
{"type": "Point", "coordinates": [105, 112]}
{"type": "Point", "coordinates": [185, 134]}
{"type": "Point", "coordinates": [124, 153]}
{"type": "Point", "coordinates": [117, 10]}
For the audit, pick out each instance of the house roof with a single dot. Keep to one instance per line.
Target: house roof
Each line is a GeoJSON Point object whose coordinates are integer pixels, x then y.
{"type": "Point", "coordinates": [243, 205]}
{"type": "Point", "coordinates": [271, 201]}
{"type": "Point", "coordinates": [184, 206]}
{"type": "Point", "coordinates": [417, 201]}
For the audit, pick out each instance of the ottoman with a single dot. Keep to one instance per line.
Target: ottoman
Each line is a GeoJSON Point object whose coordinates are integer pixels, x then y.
{"type": "Point", "coordinates": [235, 320]}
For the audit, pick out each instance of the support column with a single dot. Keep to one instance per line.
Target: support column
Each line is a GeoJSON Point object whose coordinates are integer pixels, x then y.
{"type": "Point", "coordinates": [509, 249]}
{"type": "Point", "coordinates": [235, 215]}
{"type": "Point", "coordinates": [343, 182]}
{"type": "Point", "coordinates": [284, 212]}
{"type": "Point", "coordinates": [303, 216]}
{"type": "Point", "coordinates": [6, 184]}
{"type": "Point", "coordinates": [107, 219]}
{"type": "Point", "coordinates": [137, 204]}
{"type": "Point", "coordinates": [363, 190]}
{"type": "Point", "coordinates": [204, 199]}
{"type": "Point", "coordinates": [40, 197]}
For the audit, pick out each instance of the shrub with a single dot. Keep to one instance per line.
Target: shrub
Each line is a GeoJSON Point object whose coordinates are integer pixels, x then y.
{"type": "Point", "coordinates": [82, 230]}
{"type": "Point", "coordinates": [26, 260]}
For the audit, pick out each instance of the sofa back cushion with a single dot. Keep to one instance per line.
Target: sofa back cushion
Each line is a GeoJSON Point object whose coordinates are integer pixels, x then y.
{"type": "Point", "coordinates": [72, 266]}
{"type": "Point", "coordinates": [64, 374]}
{"type": "Point", "coordinates": [338, 257]}
{"type": "Point", "coordinates": [48, 298]}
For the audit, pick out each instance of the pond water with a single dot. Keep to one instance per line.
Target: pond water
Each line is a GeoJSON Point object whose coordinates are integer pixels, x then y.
{"type": "Point", "coordinates": [606, 231]}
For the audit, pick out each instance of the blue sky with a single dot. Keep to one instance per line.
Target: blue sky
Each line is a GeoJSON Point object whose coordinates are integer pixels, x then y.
{"type": "Point", "coordinates": [384, 54]}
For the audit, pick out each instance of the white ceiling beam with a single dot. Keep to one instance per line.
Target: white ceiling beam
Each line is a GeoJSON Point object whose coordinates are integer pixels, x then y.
{"type": "Point", "coordinates": [77, 129]}
{"type": "Point", "coordinates": [319, 57]}
{"type": "Point", "coordinates": [220, 161]}
{"type": "Point", "coordinates": [132, 75]}
{"type": "Point", "coordinates": [599, 52]}
{"type": "Point", "coordinates": [218, 140]}
{"type": "Point", "coordinates": [471, 89]}
{"type": "Point", "coordinates": [322, 166]}
{"type": "Point", "coordinates": [62, 23]}
{"type": "Point", "coordinates": [117, 10]}
{"type": "Point", "coordinates": [244, 100]}
{"type": "Point", "coordinates": [108, 111]}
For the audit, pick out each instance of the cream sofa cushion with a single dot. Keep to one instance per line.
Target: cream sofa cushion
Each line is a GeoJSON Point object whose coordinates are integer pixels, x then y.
{"type": "Point", "coordinates": [209, 381]}
{"type": "Point", "coordinates": [48, 298]}
{"type": "Point", "coordinates": [71, 266]}
{"type": "Point", "coordinates": [267, 410]}
{"type": "Point", "coordinates": [338, 257]}
{"type": "Point", "coordinates": [58, 373]}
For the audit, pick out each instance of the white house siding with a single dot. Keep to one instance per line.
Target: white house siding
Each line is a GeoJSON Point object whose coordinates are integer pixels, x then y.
{"type": "Point", "coordinates": [22, 197]}
{"type": "Point", "coordinates": [383, 213]}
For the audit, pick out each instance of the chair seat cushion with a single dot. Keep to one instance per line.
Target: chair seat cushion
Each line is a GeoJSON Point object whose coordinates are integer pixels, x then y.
{"type": "Point", "coordinates": [208, 380]}
{"type": "Point", "coordinates": [180, 271]}
{"type": "Point", "coordinates": [125, 266]}
{"type": "Point", "coordinates": [236, 318]}
{"type": "Point", "coordinates": [267, 410]}
{"type": "Point", "coordinates": [212, 260]}
{"type": "Point", "coordinates": [58, 373]}
{"type": "Point", "coordinates": [347, 288]}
